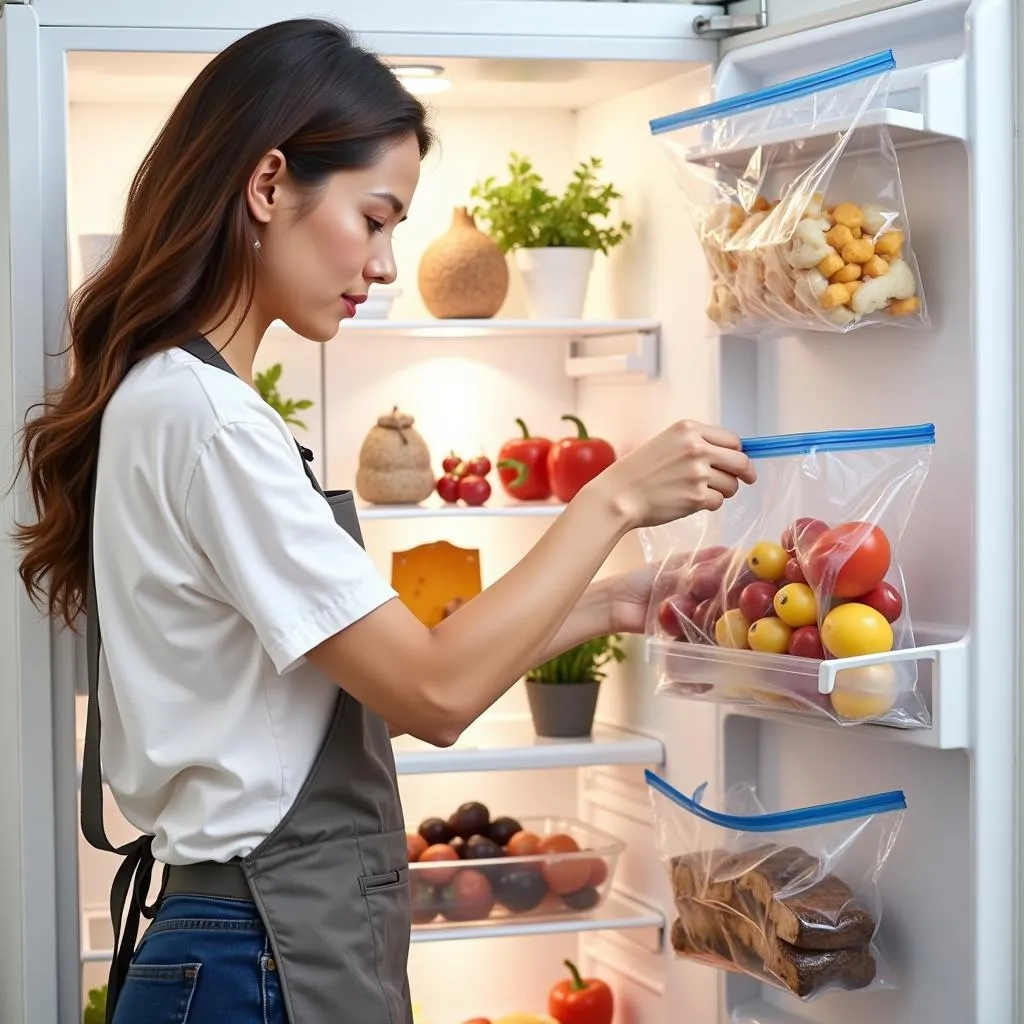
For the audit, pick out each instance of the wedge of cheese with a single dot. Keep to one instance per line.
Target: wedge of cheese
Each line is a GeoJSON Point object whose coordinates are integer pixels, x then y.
{"type": "Point", "coordinates": [429, 577]}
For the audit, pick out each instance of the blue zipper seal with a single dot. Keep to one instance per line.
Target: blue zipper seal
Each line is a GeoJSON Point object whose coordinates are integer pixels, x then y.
{"type": "Point", "coordinates": [838, 441]}
{"type": "Point", "coordinates": [807, 85]}
{"type": "Point", "coordinates": [782, 821]}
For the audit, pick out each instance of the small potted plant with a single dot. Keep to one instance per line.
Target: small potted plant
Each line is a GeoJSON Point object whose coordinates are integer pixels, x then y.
{"type": "Point", "coordinates": [563, 691]}
{"type": "Point", "coordinates": [266, 384]}
{"type": "Point", "coordinates": [553, 238]}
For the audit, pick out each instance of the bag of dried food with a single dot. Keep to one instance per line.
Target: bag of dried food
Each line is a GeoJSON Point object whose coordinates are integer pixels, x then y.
{"type": "Point", "coordinates": [791, 597]}
{"type": "Point", "coordinates": [789, 897]}
{"type": "Point", "coordinates": [796, 197]}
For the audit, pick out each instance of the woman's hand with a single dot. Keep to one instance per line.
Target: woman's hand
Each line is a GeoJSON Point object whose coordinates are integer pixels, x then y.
{"type": "Point", "coordinates": [628, 597]}
{"type": "Point", "coordinates": [684, 469]}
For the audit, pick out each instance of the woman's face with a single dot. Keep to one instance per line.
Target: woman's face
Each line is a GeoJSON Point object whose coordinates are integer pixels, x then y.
{"type": "Point", "coordinates": [318, 255]}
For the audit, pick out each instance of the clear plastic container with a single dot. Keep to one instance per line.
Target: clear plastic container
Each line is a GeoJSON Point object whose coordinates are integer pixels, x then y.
{"type": "Point", "coordinates": [545, 884]}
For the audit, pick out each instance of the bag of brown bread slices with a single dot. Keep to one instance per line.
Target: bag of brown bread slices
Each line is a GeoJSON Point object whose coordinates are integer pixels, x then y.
{"type": "Point", "coordinates": [788, 897]}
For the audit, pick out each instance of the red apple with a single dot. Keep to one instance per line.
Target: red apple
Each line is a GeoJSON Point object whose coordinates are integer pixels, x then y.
{"type": "Point", "coordinates": [756, 600]}
{"type": "Point", "coordinates": [885, 599]}
{"type": "Point", "coordinates": [793, 573]}
{"type": "Point", "coordinates": [451, 462]}
{"type": "Point", "coordinates": [806, 643]}
{"type": "Point", "coordinates": [801, 534]}
{"type": "Point", "coordinates": [448, 488]}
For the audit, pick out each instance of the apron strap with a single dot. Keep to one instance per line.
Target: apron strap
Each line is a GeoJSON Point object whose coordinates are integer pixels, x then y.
{"type": "Point", "coordinates": [134, 877]}
{"type": "Point", "coordinates": [135, 874]}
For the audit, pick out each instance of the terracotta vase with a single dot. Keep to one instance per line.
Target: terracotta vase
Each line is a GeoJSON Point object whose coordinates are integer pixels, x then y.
{"type": "Point", "coordinates": [463, 274]}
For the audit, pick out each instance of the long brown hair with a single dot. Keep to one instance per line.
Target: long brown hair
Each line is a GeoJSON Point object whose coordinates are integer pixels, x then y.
{"type": "Point", "coordinates": [186, 252]}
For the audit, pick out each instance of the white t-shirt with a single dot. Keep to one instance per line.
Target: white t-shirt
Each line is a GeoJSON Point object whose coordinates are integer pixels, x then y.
{"type": "Point", "coordinates": [218, 567]}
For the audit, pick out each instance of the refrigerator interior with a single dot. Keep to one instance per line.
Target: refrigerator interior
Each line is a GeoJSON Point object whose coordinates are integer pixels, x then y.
{"type": "Point", "coordinates": [465, 393]}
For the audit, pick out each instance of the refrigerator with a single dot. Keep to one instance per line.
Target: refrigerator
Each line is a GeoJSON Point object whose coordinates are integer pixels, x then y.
{"type": "Point", "coordinates": [85, 86]}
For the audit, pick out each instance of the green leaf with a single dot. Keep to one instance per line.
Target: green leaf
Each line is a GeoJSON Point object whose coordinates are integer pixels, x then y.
{"type": "Point", "coordinates": [266, 386]}
{"type": "Point", "coordinates": [580, 664]}
{"type": "Point", "coordinates": [96, 1007]}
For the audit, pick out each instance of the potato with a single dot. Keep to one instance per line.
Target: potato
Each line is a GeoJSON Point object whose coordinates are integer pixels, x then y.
{"type": "Point", "coordinates": [876, 267]}
{"type": "Point", "coordinates": [889, 244]}
{"type": "Point", "coordinates": [845, 275]}
{"type": "Point", "coordinates": [832, 263]}
{"type": "Point", "coordinates": [860, 250]}
{"type": "Point", "coordinates": [835, 295]}
{"type": "Point", "coordinates": [904, 307]}
{"type": "Point", "coordinates": [849, 214]}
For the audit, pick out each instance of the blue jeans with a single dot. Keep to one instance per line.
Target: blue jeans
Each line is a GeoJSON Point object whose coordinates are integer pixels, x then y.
{"type": "Point", "coordinates": [203, 961]}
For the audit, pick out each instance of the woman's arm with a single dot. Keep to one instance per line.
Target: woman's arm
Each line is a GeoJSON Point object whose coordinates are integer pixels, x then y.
{"type": "Point", "coordinates": [590, 618]}
{"type": "Point", "coordinates": [433, 682]}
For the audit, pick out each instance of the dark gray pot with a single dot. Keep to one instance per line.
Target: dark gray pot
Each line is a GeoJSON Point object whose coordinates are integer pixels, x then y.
{"type": "Point", "coordinates": [563, 710]}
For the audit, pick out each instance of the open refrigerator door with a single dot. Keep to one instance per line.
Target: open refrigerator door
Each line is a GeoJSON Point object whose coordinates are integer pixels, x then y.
{"type": "Point", "coordinates": [641, 354]}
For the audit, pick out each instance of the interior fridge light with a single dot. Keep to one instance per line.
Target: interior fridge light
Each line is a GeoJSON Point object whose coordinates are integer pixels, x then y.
{"type": "Point", "coordinates": [421, 79]}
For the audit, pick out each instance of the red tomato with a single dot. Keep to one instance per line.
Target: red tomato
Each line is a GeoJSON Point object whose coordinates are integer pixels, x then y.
{"type": "Point", "coordinates": [474, 490]}
{"type": "Point", "coordinates": [886, 600]}
{"type": "Point", "coordinates": [415, 845]}
{"type": "Point", "coordinates": [439, 852]}
{"type": "Point", "coordinates": [448, 487]}
{"type": "Point", "coordinates": [568, 874]}
{"type": "Point", "coordinates": [849, 560]}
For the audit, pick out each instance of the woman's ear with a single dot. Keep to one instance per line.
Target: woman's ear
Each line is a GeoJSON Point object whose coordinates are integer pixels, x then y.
{"type": "Point", "coordinates": [265, 182]}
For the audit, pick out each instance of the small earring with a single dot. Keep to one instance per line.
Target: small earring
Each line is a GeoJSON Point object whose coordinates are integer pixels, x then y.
{"type": "Point", "coordinates": [257, 244]}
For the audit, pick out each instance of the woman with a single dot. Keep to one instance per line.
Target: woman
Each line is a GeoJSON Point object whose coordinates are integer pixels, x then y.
{"type": "Point", "coordinates": [254, 662]}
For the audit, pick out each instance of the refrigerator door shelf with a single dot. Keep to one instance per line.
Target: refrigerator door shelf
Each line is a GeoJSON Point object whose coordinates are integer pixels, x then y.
{"type": "Point", "coordinates": [925, 105]}
{"type": "Point", "coordinates": [512, 745]}
{"type": "Point", "coordinates": [711, 667]}
{"type": "Point", "coordinates": [761, 1012]}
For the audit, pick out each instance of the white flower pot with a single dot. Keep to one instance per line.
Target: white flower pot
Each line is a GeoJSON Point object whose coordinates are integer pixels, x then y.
{"type": "Point", "coordinates": [556, 281]}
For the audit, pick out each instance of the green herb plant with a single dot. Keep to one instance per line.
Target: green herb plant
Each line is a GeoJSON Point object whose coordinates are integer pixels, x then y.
{"type": "Point", "coordinates": [96, 1008]}
{"type": "Point", "coordinates": [522, 214]}
{"type": "Point", "coordinates": [585, 663]}
{"type": "Point", "coordinates": [266, 384]}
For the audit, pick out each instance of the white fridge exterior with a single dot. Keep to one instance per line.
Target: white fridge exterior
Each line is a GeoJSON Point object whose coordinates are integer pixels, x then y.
{"type": "Point", "coordinates": [964, 772]}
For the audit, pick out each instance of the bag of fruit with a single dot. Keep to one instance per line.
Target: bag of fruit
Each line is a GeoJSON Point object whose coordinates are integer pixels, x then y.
{"type": "Point", "coordinates": [793, 598]}
{"type": "Point", "coordinates": [797, 201]}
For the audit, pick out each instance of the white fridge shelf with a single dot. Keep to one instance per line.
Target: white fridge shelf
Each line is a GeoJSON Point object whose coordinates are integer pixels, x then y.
{"type": "Point", "coordinates": [618, 913]}
{"type": "Point", "coordinates": [512, 745]}
{"type": "Point", "coordinates": [434, 508]}
{"type": "Point", "coordinates": [925, 105]}
{"type": "Point", "coordinates": [710, 668]}
{"type": "Point", "coordinates": [641, 358]}
{"type": "Point", "coordinates": [644, 925]}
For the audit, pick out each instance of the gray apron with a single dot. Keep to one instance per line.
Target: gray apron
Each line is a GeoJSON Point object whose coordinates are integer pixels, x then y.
{"type": "Point", "coordinates": [331, 883]}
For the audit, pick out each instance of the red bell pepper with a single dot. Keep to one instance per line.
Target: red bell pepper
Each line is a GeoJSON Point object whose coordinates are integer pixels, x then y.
{"type": "Point", "coordinates": [579, 1000]}
{"type": "Point", "coordinates": [575, 461]}
{"type": "Point", "coordinates": [523, 467]}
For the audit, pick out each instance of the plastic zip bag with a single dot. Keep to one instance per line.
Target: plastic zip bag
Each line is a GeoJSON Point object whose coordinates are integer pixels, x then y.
{"type": "Point", "coordinates": [796, 568]}
{"type": "Point", "coordinates": [795, 193]}
{"type": "Point", "coordinates": [790, 898]}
